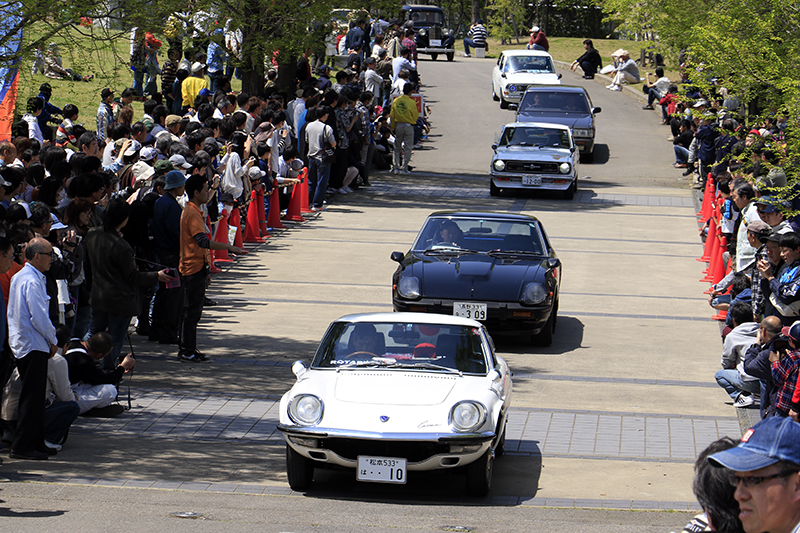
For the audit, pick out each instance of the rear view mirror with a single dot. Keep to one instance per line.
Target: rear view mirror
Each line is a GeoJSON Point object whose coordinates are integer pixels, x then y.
{"type": "Point", "coordinates": [596, 110]}
{"type": "Point", "coordinates": [398, 256]}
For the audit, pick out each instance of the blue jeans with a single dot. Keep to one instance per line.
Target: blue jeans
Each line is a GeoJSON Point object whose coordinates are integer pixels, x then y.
{"type": "Point", "coordinates": [652, 95]}
{"type": "Point", "coordinates": [318, 175]}
{"type": "Point", "coordinates": [681, 154]}
{"type": "Point", "coordinates": [138, 81]}
{"type": "Point", "coordinates": [731, 381]}
{"type": "Point", "coordinates": [117, 327]}
{"type": "Point", "coordinates": [470, 42]}
{"type": "Point", "coordinates": [58, 417]}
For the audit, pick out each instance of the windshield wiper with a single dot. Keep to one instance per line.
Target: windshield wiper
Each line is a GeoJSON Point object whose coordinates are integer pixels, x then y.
{"type": "Point", "coordinates": [511, 252]}
{"type": "Point", "coordinates": [449, 250]}
{"type": "Point", "coordinates": [371, 362]}
{"type": "Point", "coordinates": [428, 366]}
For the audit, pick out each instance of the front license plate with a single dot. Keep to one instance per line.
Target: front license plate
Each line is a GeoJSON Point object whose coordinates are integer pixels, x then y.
{"type": "Point", "coordinates": [469, 310]}
{"type": "Point", "coordinates": [381, 469]}
{"type": "Point", "coordinates": [531, 180]}
{"type": "Point", "coordinates": [436, 42]}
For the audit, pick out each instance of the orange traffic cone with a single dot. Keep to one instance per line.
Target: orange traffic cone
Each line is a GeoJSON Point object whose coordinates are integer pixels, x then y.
{"type": "Point", "coordinates": [262, 215]}
{"type": "Point", "coordinates": [274, 218]}
{"type": "Point", "coordinates": [708, 197]}
{"type": "Point", "coordinates": [304, 208]}
{"type": "Point", "coordinates": [293, 213]}
{"type": "Point", "coordinates": [719, 270]}
{"type": "Point", "coordinates": [710, 241]}
{"type": "Point", "coordinates": [236, 222]}
{"type": "Point", "coordinates": [221, 256]}
{"type": "Point", "coordinates": [716, 261]}
{"type": "Point", "coordinates": [251, 228]}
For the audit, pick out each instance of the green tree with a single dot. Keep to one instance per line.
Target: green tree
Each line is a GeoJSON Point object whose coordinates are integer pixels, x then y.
{"type": "Point", "coordinates": [506, 19]}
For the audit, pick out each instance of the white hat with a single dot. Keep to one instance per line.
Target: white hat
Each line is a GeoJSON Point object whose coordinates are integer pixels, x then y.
{"type": "Point", "coordinates": [256, 173]}
{"type": "Point", "coordinates": [57, 224]}
{"type": "Point", "coordinates": [178, 160]}
{"type": "Point", "coordinates": [142, 171]}
{"type": "Point", "coordinates": [534, 29]}
{"type": "Point", "coordinates": [148, 153]}
{"type": "Point", "coordinates": [133, 148]}
{"type": "Point", "coordinates": [197, 66]}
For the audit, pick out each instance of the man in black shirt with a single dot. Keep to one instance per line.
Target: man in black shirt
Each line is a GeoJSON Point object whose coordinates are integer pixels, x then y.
{"type": "Point", "coordinates": [95, 389]}
{"type": "Point", "coordinates": [589, 62]}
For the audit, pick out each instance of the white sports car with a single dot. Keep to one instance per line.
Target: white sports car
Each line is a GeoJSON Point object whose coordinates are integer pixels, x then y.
{"type": "Point", "coordinates": [516, 70]}
{"type": "Point", "coordinates": [393, 393]}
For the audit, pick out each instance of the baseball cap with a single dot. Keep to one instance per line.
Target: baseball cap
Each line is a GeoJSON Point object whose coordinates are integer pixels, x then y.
{"type": "Point", "coordinates": [148, 153]}
{"type": "Point", "coordinates": [105, 93]}
{"type": "Point", "coordinates": [775, 237]}
{"type": "Point", "coordinates": [205, 92]}
{"type": "Point", "coordinates": [759, 228]}
{"type": "Point", "coordinates": [770, 204]}
{"type": "Point", "coordinates": [142, 171]}
{"type": "Point", "coordinates": [534, 29]}
{"type": "Point", "coordinates": [174, 179]}
{"type": "Point", "coordinates": [178, 161]}
{"type": "Point", "coordinates": [771, 440]}
{"type": "Point", "coordinates": [793, 331]}
{"type": "Point", "coordinates": [172, 120]}
{"type": "Point", "coordinates": [256, 173]}
{"type": "Point", "coordinates": [163, 166]}
{"type": "Point", "coordinates": [133, 148]}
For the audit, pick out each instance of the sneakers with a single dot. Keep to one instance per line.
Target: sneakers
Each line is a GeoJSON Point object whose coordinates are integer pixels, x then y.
{"type": "Point", "coordinates": [688, 171]}
{"type": "Point", "coordinates": [610, 85]}
{"type": "Point", "coordinates": [195, 356]}
{"type": "Point", "coordinates": [56, 447]}
{"type": "Point", "coordinates": [616, 87]}
{"type": "Point", "coordinates": [343, 190]}
{"type": "Point", "coordinates": [467, 55]}
{"type": "Point", "coordinates": [401, 171]}
{"type": "Point", "coordinates": [744, 401]}
{"type": "Point", "coordinates": [648, 107]}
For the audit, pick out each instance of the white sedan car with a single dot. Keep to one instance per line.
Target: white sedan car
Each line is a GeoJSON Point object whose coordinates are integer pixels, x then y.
{"type": "Point", "coordinates": [388, 394]}
{"type": "Point", "coordinates": [516, 70]}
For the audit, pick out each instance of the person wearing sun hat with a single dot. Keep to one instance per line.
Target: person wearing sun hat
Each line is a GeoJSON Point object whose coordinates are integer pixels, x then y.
{"type": "Point", "coordinates": [766, 474]}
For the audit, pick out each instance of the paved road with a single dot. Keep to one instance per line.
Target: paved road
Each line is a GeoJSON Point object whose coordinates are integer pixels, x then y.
{"type": "Point", "coordinates": [610, 416]}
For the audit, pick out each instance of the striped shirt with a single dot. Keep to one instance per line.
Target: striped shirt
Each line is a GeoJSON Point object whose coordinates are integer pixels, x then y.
{"type": "Point", "coordinates": [478, 34]}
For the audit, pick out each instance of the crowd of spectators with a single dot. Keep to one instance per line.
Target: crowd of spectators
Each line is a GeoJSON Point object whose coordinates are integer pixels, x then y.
{"type": "Point", "coordinates": [109, 231]}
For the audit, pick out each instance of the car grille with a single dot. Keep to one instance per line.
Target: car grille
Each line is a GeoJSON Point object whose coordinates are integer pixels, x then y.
{"type": "Point", "coordinates": [532, 166]}
{"type": "Point", "coordinates": [434, 32]}
{"type": "Point", "coordinates": [412, 451]}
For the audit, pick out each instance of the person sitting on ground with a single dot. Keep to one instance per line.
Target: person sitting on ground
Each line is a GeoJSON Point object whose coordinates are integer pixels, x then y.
{"type": "Point", "coordinates": [96, 389]}
{"type": "Point", "coordinates": [589, 62]}
{"type": "Point", "coordinates": [758, 365]}
{"type": "Point", "coordinates": [737, 383]}
{"type": "Point", "coordinates": [626, 72]}
{"type": "Point", "coordinates": [766, 466]}
{"type": "Point", "coordinates": [53, 67]}
{"type": "Point", "coordinates": [682, 142]}
{"type": "Point", "coordinates": [783, 290]}
{"type": "Point", "coordinates": [538, 40]}
{"type": "Point", "coordinates": [655, 90]}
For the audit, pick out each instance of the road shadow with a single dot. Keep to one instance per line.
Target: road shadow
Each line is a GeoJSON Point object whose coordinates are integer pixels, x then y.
{"type": "Point", "coordinates": [568, 337]}
{"type": "Point", "coordinates": [8, 513]}
{"type": "Point", "coordinates": [600, 155]}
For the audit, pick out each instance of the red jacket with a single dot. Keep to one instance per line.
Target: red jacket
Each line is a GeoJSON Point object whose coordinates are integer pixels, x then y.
{"type": "Point", "coordinates": [541, 40]}
{"type": "Point", "coordinates": [670, 101]}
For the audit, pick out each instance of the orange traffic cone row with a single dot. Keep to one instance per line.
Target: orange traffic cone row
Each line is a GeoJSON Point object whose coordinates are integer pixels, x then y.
{"type": "Point", "coordinates": [221, 256]}
{"type": "Point", "coordinates": [236, 222]}
{"type": "Point", "coordinates": [716, 259]}
{"type": "Point", "coordinates": [262, 214]}
{"type": "Point", "coordinates": [293, 213]}
{"type": "Point", "coordinates": [719, 270]}
{"type": "Point", "coordinates": [251, 227]}
{"type": "Point", "coordinates": [274, 218]}
{"type": "Point", "coordinates": [708, 198]}
{"type": "Point", "coordinates": [304, 208]}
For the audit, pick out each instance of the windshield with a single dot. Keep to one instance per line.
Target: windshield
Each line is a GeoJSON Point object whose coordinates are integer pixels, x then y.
{"type": "Point", "coordinates": [533, 136]}
{"type": "Point", "coordinates": [529, 64]}
{"type": "Point", "coordinates": [539, 101]}
{"type": "Point", "coordinates": [402, 345]}
{"type": "Point", "coordinates": [426, 18]}
{"type": "Point", "coordinates": [476, 235]}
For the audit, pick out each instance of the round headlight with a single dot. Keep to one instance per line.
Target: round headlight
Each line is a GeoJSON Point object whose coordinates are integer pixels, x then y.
{"type": "Point", "coordinates": [512, 88]}
{"type": "Point", "coordinates": [423, 32]}
{"type": "Point", "coordinates": [533, 293]}
{"type": "Point", "coordinates": [499, 165]}
{"type": "Point", "coordinates": [409, 288]}
{"type": "Point", "coordinates": [467, 416]}
{"type": "Point", "coordinates": [564, 168]}
{"type": "Point", "coordinates": [306, 409]}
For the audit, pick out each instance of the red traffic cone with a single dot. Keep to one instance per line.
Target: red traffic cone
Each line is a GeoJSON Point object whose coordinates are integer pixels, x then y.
{"type": "Point", "coordinates": [213, 267]}
{"type": "Point", "coordinates": [721, 316]}
{"type": "Point", "coordinates": [236, 222]}
{"type": "Point", "coordinates": [710, 241]}
{"type": "Point", "coordinates": [293, 213]}
{"type": "Point", "coordinates": [304, 208]}
{"type": "Point", "coordinates": [262, 214]}
{"type": "Point", "coordinates": [222, 256]}
{"type": "Point", "coordinates": [708, 197]}
{"type": "Point", "coordinates": [251, 228]}
{"type": "Point", "coordinates": [274, 219]}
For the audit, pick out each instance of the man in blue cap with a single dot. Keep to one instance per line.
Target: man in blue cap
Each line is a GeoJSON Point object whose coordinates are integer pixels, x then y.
{"type": "Point", "coordinates": [766, 474]}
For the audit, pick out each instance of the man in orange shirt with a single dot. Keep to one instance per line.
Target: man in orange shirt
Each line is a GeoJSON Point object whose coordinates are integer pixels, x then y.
{"type": "Point", "coordinates": [194, 264]}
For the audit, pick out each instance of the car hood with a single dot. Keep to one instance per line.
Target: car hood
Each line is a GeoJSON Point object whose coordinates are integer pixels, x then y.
{"type": "Point", "coordinates": [392, 387]}
{"type": "Point", "coordinates": [529, 78]}
{"type": "Point", "coordinates": [474, 277]}
{"type": "Point", "coordinates": [533, 154]}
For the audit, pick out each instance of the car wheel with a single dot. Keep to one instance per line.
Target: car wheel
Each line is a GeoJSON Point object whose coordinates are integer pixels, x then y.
{"type": "Point", "coordinates": [545, 337]}
{"type": "Point", "coordinates": [494, 190]}
{"type": "Point", "coordinates": [494, 94]}
{"type": "Point", "coordinates": [451, 56]}
{"type": "Point", "coordinates": [503, 103]}
{"type": "Point", "coordinates": [570, 193]}
{"type": "Point", "coordinates": [500, 450]}
{"type": "Point", "coordinates": [479, 475]}
{"type": "Point", "coordinates": [434, 57]}
{"type": "Point", "coordinates": [299, 470]}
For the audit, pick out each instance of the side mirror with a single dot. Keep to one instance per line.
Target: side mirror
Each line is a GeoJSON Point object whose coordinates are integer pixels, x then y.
{"type": "Point", "coordinates": [553, 262]}
{"type": "Point", "coordinates": [494, 376]}
{"type": "Point", "coordinates": [596, 110]}
{"type": "Point", "coordinates": [398, 256]}
{"type": "Point", "coordinates": [494, 146]}
{"type": "Point", "coordinates": [560, 75]}
{"type": "Point", "coordinates": [298, 369]}
{"type": "Point", "coordinates": [572, 149]}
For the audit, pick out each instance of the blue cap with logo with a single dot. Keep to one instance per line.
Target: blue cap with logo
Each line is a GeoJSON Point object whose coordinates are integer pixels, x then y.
{"type": "Point", "coordinates": [771, 440]}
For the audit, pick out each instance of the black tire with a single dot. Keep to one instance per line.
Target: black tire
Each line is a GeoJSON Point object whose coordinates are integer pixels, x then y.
{"type": "Point", "coordinates": [479, 475]}
{"type": "Point", "coordinates": [434, 57]}
{"type": "Point", "coordinates": [545, 337]}
{"type": "Point", "coordinates": [500, 450]}
{"type": "Point", "coordinates": [299, 470]}
{"type": "Point", "coordinates": [494, 94]}
{"type": "Point", "coordinates": [569, 194]}
{"type": "Point", "coordinates": [503, 103]}
{"type": "Point", "coordinates": [494, 190]}
{"type": "Point", "coordinates": [451, 56]}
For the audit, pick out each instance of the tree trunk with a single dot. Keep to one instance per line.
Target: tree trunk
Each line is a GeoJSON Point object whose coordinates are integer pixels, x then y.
{"type": "Point", "coordinates": [287, 71]}
{"type": "Point", "coordinates": [476, 10]}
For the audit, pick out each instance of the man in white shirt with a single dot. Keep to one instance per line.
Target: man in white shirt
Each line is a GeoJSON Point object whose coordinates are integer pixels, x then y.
{"type": "Point", "coordinates": [655, 90]}
{"type": "Point", "coordinates": [403, 62]}
{"type": "Point", "coordinates": [32, 338]}
{"type": "Point", "coordinates": [372, 80]}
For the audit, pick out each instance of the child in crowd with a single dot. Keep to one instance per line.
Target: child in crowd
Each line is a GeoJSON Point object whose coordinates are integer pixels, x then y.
{"type": "Point", "coordinates": [66, 130]}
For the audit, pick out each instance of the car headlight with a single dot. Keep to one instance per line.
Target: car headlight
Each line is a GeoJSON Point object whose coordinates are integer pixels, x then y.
{"type": "Point", "coordinates": [467, 416]}
{"type": "Point", "coordinates": [409, 288]}
{"type": "Point", "coordinates": [533, 293]}
{"type": "Point", "coordinates": [422, 33]}
{"type": "Point", "coordinates": [499, 165]}
{"type": "Point", "coordinates": [563, 168]}
{"type": "Point", "coordinates": [583, 133]}
{"type": "Point", "coordinates": [511, 88]}
{"type": "Point", "coordinates": [305, 409]}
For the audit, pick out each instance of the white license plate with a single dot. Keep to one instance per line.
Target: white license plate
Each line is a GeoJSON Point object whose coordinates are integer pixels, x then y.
{"type": "Point", "coordinates": [531, 180]}
{"type": "Point", "coordinates": [436, 42]}
{"type": "Point", "coordinates": [469, 310]}
{"type": "Point", "coordinates": [381, 469]}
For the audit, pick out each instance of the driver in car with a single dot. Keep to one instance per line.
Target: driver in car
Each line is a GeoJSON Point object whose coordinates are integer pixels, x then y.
{"type": "Point", "coordinates": [364, 338]}
{"type": "Point", "coordinates": [450, 233]}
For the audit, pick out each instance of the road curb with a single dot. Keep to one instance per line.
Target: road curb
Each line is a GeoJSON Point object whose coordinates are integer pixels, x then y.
{"type": "Point", "coordinates": [602, 78]}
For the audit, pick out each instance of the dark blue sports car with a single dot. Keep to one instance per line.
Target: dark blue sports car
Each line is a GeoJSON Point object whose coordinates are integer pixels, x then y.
{"type": "Point", "coordinates": [497, 268]}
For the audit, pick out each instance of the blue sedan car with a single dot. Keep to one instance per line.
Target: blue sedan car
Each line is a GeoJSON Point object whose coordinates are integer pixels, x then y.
{"type": "Point", "coordinates": [497, 268]}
